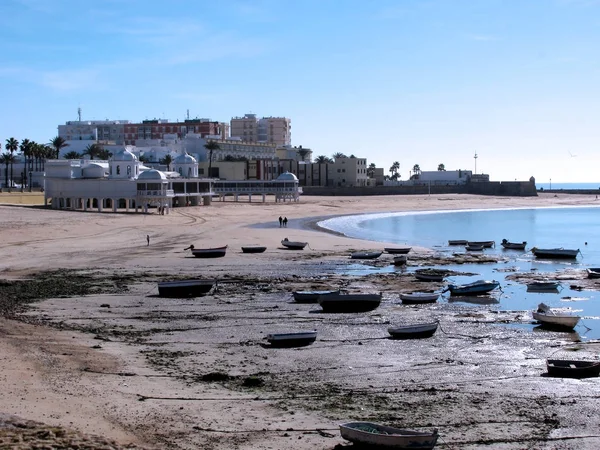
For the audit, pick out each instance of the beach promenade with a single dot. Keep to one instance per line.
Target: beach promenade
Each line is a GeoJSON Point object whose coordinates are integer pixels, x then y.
{"type": "Point", "coordinates": [103, 354]}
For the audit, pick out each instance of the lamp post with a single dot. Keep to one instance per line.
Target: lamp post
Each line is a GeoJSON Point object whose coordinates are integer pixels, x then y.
{"type": "Point", "coordinates": [475, 157]}
{"type": "Point", "coordinates": [30, 181]}
{"type": "Point", "coordinates": [550, 183]}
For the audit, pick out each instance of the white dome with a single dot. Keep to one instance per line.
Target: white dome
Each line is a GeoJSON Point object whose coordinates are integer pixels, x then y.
{"type": "Point", "coordinates": [93, 170]}
{"type": "Point", "coordinates": [124, 155]}
{"type": "Point", "coordinates": [185, 159]}
{"type": "Point", "coordinates": [152, 174]}
{"type": "Point", "coordinates": [288, 176]}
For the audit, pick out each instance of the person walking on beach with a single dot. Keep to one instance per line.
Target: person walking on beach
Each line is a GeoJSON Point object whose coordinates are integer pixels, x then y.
{"type": "Point", "coordinates": [148, 239]}
{"type": "Point", "coordinates": [285, 222]}
{"type": "Point", "coordinates": [280, 222]}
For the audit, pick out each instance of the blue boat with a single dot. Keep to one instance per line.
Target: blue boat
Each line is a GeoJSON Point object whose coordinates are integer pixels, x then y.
{"type": "Point", "coordinates": [474, 288]}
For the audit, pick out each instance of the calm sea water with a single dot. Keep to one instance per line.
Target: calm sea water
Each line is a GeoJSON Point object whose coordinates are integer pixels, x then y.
{"type": "Point", "coordinates": [577, 228]}
{"type": "Point", "coordinates": [553, 186]}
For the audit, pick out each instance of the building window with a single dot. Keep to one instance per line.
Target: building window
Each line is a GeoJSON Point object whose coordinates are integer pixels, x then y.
{"type": "Point", "coordinates": [128, 171]}
{"type": "Point", "coordinates": [201, 171]}
{"type": "Point", "coordinates": [118, 170]}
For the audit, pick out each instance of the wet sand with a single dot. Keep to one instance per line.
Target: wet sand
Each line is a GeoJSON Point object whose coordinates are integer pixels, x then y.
{"type": "Point", "coordinates": [119, 361]}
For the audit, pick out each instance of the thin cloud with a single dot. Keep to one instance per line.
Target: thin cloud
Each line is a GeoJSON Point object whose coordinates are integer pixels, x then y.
{"type": "Point", "coordinates": [482, 37]}
{"type": "Point", "coordinates": [71, 80]}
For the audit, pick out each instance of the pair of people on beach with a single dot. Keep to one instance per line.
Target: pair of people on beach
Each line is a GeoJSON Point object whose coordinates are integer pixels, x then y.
{"type": "Point", "coordinates": [283, 222]}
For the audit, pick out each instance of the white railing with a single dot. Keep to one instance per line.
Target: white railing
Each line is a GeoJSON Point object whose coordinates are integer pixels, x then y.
{"type": "Point", "coordinates": [157, 193]}
{"type": "Point", "coordinates": [255, 190]}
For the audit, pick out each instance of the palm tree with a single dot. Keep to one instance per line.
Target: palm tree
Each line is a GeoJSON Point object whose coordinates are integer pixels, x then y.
{"type": "Point", "coordinates": [92, 150]}
{"type": "Point", "coordinates": [27, 147]}
{"type": "Point", "coordinates": [58, 143]}
{"type": "Point", "coordinates": [441, 167]}
{"type": "Point", "coordinates": [144, 159]}
{"type": "Point", "coordinates": [72, 155]}
{"type": "Point", "coordinates": [394, 170]}
{"type": "Point", "coordinates": [338, 155]}
{"type": "Point", "coordinates": [6, 159]}
{"type": "Point", "coordinates": [302, 152]}
{"type": "Point", "coordinates": [211, 146]}
{"type": "Point", "coordinates": [167, 160]}
{"type": "Point", "coordinates": [12, 145]}
{"type": "Point", "coordinates": [352, 156]}
{"type": "Point", "coordinates": [322, 159]}
{"type": "Point", "coordinates": [371, 170]}
{"type": "Point", "coordinates": [416, 170]}
{"type": "Point", "coordinates": [104, 154]}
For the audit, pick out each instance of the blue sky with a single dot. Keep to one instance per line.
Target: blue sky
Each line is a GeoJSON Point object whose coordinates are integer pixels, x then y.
{"type": "Point", "coordinates": [416, 81]}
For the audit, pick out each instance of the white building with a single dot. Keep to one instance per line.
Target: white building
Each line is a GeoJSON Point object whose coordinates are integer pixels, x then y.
{"type": "Point", "coordinates": [272, 130]}
{"type": "Point", "coordinates": [93, 130]}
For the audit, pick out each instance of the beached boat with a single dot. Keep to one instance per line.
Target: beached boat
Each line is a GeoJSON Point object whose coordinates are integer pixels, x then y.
{"type": "Point", "coordinates": [593, 272]}
{"type": "Point", "coordinates": [253, 249]}
{"type": "Point", "coordinates": [475, 288]}
{"type": "Point", "coordinates": [311, 296]}
{"type": "Point", "coordinates": [216, 252]}
{"type": "Point", "coordinates": [397, 250]}
{"type": "Point", "coordinates": [340, 303]}
{"type": "Point", "coordinates": [293, 245]}
{"type": "Point", "coordinates": [287, 340]}
{"type": "Point", "coordinates": [552, 319]}
{"type": "Point", "coordinates": [458, 242]}
{"type": "Point", "coordinates": [373, 435]}
{"type": "Point", "coordinates": [431, 274]}
{"type": "Point", "coordinates": [513, 245]}
{"type": "Point", "coordinates": [474, 248]}
{"type": "Point", "coordinates": [365, 255]}
{"type": "Point", "coordinates": [413, 331]}
{"type": "Point", "coordinates": [568, 368]}
{"type": "Point", "coordinates": [474, 299]}
{"type": "Point", "coordinates": [555, 253]}
{"type": "Point", "coordinates": [543, 285]}
{"type": "Point", "coordinates": [185, 288]}
{"type": "Point", "coordinates": [484, 244]}
{"type": "Point", "coordinates": [419, 297]}
{"type": "Point", "coordinates": [400, 260]}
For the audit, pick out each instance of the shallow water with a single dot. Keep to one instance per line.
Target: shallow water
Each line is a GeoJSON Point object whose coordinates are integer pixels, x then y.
{"type": "Point", "coordinates": [548, 227]}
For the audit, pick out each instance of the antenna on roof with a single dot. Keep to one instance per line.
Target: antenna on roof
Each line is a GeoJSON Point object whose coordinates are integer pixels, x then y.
{"type": "Point", "coordinates": [188, 114]}
{"type": "Point", "coordinates": [79, 113]}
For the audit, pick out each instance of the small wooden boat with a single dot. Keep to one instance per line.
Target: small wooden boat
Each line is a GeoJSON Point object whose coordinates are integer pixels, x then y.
{"type": "Point", "coordinates": [484, 244]}
{"type": "Point", "coordinates": [513, 245]}
{"type": "Point", "coordinates": [552, 319]}
{"type": "Point", "coordinates": [555, 253]}
{"type": "Point", "coordinates": [458, 242]}
{"type": "Point", "coordinates": [373, 435]}
{"type": "Point", "coordinates": [365, 255]}
{"type": "Point", "coordinates": [474, 248]}
{"type": "Point", "coordinates": [216, 252]}
{"type": "Point", "coordinates": [567, 368]}
{"type": "Point", "coordinates": [311, 296]}
{"type": "Point", "coordinates": [397, 250]}
{"type": "Point", "coordinates": [414, 331]}
{"type": "Point", "coordinates": [431, 274]}
{"type": "Point", "coordinates": [253, 249]}
{"type": "Point", "coordinates": [475, 288]}
{"type": "Point", "coordinates": [593, 272]}
{"type": "Point", "coordinates": [400, 260]}
{"type": "Point", "coordinates": [287, 340]}
{"type": "Point", "coordinates": [185, 288]}
{"type": "Point", "coordinates": [542, 286]}
{"type": "Point", "coordinates": [419, 297]}
{"type": "Point", "coordinates": [293, 245]}
{"type": "Point", "coordinates": [341, 303]}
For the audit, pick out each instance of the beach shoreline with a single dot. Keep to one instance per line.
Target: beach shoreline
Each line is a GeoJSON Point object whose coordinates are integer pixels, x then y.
{"type": "Point", "coordinates": [110, 245]}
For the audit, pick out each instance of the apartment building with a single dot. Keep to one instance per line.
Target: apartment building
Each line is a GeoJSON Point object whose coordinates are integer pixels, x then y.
{"type": "Point", "coordinates": [94, 130]}
{"type": "Point", "coordinates": [272, 130]}
{"type": "Point", "coordinates": [159, 128]}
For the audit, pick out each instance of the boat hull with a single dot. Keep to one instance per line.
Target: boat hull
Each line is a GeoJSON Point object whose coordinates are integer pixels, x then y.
{"type": "Point", "coordinates": [371, 435]}
{"type": "Point", "coordinates": [565, 368]}
{"type": "Point", "coordinates": [554, 253]}
{"type": "Point", "coordinates": [349, 303]}
{"type": "Point", "coordinates": [561, 321]}
{"type": "Point", "coordinates": [186, 288]}
{"type": "Point", "coordinates": [458, 242]}
{"type": "Point", "coordinates": [255, 249]}
{"type": "Point", "coordinates": [418, 297]}
{"type": "Point", "coordinates": [365, 255]}
{"type": "Point", "coordinates": [430, 275]}
{"type": "Point", "coordinates": [593, 272]}
{"type": "Point", "coordinates": [417, 331]}
{"type": "Point", "coordinates": [217, 252]}
{"type": "Point", "coordinates": [513, 245]}
{"type": "Point", "coordinates": [311, 296]}
{"type": "Point", "coordinates": [397, 250]}
{"type": "Point", "coordinates": [289, 340]}
{"type": "Point", "coordinates": [543, 286]}
{"type": "Point", "coordinates": [484, 244]}
{"type": "Point", "coordinates": [476, 288]}
{"type": "Point", "coordinates": [294, 245]}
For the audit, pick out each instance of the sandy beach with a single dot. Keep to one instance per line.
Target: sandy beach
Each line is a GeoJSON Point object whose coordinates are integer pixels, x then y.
{"type": "Point", "coordinates": [87, 344]}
